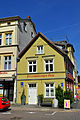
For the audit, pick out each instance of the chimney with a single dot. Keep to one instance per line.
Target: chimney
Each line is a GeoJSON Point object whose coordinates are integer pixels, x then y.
{"type": "Point", "coordinates": [28, 17]}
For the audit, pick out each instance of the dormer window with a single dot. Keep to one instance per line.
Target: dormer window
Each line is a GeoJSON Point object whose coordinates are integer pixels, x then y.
{"type": "Point", "coordinates": [39, 49]}
{"type": "Point", "coordinates": [25, 27]}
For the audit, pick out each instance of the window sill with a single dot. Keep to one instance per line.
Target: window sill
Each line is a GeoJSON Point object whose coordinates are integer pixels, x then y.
{"type": "Point", "coordinates": [49, 97]}
{"type": "Point", "coordinates": [39, 54]}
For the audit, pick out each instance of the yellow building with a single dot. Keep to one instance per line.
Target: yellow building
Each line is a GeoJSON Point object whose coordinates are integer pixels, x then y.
{"type": "Point", "coordinates": [42, 67]}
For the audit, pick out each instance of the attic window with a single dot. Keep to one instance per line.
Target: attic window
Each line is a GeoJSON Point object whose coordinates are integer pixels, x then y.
{"type": "Point", "coordinates": [25, 27]}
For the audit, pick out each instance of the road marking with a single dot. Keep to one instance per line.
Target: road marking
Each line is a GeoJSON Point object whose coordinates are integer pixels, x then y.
{"type": "Point", "coordinates": [7, 113]}
{"type": "Point", "coordinates": [51, 113]}
{"type": "Point", "coordinates": [31, 112]}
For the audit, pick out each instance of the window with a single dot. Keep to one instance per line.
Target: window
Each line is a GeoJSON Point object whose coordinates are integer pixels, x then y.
{"type": "Point", "coordinates": [8, 39]}
{"type": "Point", "coordinates": [8, 23]}
{"type": "Point", "coordinates": [49, 90]}
{"type": "Point", "coordinates": [7, 62]}
{"type": "Point", "coordinates": [32, 34]}
{"type": "Point", "coordinates": [32, 66]}
{"type": "Point", "coordinates": [0, 39]}
{"type": "Point", "coordinates": [40, 49]}
{"type": "Point", "coordinates": [0, 62]}
{"type": "Point", "coordinates": [49, 65]}
{"type": "Point", "coordinates": [25, 27]}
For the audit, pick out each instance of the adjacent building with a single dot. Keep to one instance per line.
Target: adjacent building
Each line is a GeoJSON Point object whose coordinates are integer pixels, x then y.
{"type": "Point", "coordinates": [15, 34]}
{"type": "Point", "coordinates": [41, 68]}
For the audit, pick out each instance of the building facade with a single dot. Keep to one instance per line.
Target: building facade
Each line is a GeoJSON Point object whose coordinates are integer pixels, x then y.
{"type": "Point", "coordinates": [15, 33]}
{"type": "Point", "coordinates": [42, 67]}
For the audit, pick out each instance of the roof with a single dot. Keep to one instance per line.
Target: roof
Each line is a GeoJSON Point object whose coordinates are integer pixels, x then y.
{"type": "Point", "coordinates": [10, 19]}
{"type": "Point", "coordinates": [48, 41]}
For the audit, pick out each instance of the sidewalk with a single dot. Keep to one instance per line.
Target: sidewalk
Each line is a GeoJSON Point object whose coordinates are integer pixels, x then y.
{"type": "Point", "coordinates": [74, 108]}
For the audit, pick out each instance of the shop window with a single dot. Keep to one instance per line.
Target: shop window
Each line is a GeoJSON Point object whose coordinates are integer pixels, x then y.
{"type": "Point", "coordinates": [49, 65]}
{"type": "Point", "coordinates": [49, 90]}
{"type": "Point", "coordinates": [32, 66]}
{"type": "Point", "coordinates": [39, 49]}
{"type": "Point", "coordinates": [0, 39]}
{"type": "Point", "coordinates": [7, 62]}
{"type": "Point", "coordinates": [8, 39]}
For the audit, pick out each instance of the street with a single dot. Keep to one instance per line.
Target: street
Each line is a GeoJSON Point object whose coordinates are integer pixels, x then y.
{"type": "Point", "coordinates": [36, 115]}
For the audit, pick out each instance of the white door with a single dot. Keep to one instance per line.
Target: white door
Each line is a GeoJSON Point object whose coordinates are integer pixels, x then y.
{"type": "Point", "coordinates": [32, 94]}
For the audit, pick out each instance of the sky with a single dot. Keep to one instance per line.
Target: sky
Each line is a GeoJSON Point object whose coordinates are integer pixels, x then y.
{"type": "Point", "coordinates": [54, 18]}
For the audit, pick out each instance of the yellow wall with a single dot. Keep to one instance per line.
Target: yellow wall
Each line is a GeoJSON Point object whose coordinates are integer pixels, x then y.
{"type": "Point", "coordinates": [58, 75]}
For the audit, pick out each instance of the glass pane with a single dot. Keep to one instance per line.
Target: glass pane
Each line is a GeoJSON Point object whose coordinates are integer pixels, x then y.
{"type": "Point", "coordinates": [51, 85]}
{"type": "Point", "coordinates": [34, 62]}
{"type": "Point", "coordinates": [30, 62]}
{"type": "Point", "coordinates": [9, 57]}
{"type": "Point", "coordinates": [47, 91]}
{"type": "Point", "coordinates": [51, 67]}
{"type": "Point", "coordinates": [34, 68]}
{"type": "Point", "coordinates": [46, 61]}
{"type": "Point", "coordinates": [52, 92]}
{"type": "Point", "coordinates": [47, 85]}
{"type": "Point", "coordinates": [51, 61]}
{"type": "Point", "coordinates": [0, 36]}
{"type": "Point", "coordinates": [0, 41]}
{"type": "Point", "coordinates": [6, 41]}
{"type": "Point", "coordinates": [30, 68]}
{"type": "Point", "coordinates": [5, 66]}
{"type": "Point", "coordinates": [10, 41]}
{"type": "Point", "coordinates": [6, 35]}
{"type": "Point", "coordinates": [5, 58]}
{"type": "Point", "coordinates": [47, 69]}
{"type": "Point", "coordinates": [10, 35]}
{"type": "Point", "coordinates": [9, 67]}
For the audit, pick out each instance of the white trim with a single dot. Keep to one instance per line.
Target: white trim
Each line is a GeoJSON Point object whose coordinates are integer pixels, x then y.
{"type": "Point", "coordinates": [41, 51]}
{"type": "Point", "coordinates": [32, 65]}
{"type": "Point", "coordinates": [48, 64]}
{"type": "Point", "coordinates": [49, 90]}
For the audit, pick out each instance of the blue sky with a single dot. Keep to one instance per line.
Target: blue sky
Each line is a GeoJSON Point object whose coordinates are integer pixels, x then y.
{"type": "Point", "coordinates": [54, 18]}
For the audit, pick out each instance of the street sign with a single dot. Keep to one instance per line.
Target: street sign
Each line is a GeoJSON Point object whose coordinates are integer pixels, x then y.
{"type": "Point", "coordinates": [66, 103]}
{"type": "Point", "coordinates": [62, 85]}
{"type": "Point", "coordinates": [21, 84]}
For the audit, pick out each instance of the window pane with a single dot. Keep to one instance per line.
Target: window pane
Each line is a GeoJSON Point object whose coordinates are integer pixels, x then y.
{"type": "Point", "coordinates": [46, 61]}
{"type": "Point", "coordinates": [52, 92]}
{"type": "Point", "coordinates": [6, 41]}
{"type": "Point", "coordinates": [51, 85]}
{"type": "Point", "coordinates": [9, 41]}
{"type": "Point", "coordinates": [30, 62]}
{"type": "Point", "coordinates": [51, 61]}
{"type": "Point", "coordinates": [5, 58]}
{"type": "Point", "coordinates": [51, 67]}
{"type": "Point", "coordinates": [9, 57]}
{"type": "Point", "coordinates": [34, 62]}
{"type": "Point", "coordinates": [47, 85]}
{"type": "Point", "coordinates": [47, 91]}
{"type": "Point", "coordinates": [5, 66]}
{"type": "Point", "coordinates": [47, 68]}
{"type": "Point", "coordinates": [30, 68]}
{"type": "Point", "coordinates": [9, 67]}
{"type": "Point", "coordinates": [6, 35]}
{"type": "Point", "coordinates": [34, 68]}
{"type": "Point", "coordinates": [0, 41]}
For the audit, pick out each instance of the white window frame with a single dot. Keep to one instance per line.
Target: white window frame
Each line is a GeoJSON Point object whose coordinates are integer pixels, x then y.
{"type": "Point", "coordinates": [48, 65]}
{"type": "Point", "coordinates": [8, 37]}
{"type": "Point", "coordinates": [50, 90]}
{"type": "Point", "coordinates": [7, 61]}
{"type": "Point", "coordinates": [0, 38]}
{"type": "Point", "coordinates": [41, 51]}
{"type": "Point", "coordinates": [32, 66]}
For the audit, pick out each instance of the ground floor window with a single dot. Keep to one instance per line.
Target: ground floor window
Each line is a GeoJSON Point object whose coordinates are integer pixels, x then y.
{"type": "Point", "coordinates": [49, 90]}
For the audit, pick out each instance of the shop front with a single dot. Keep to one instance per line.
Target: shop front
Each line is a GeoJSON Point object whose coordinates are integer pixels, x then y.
{"type": "Point", "coordinates": [7, 88]}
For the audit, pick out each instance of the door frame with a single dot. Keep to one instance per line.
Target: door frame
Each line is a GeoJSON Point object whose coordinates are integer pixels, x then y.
{"type": "Point", "coordinates": [28, 92]}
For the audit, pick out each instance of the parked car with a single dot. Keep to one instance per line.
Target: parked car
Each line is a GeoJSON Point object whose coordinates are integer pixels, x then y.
{"type": "Point", "coordinates": [4, 103]}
